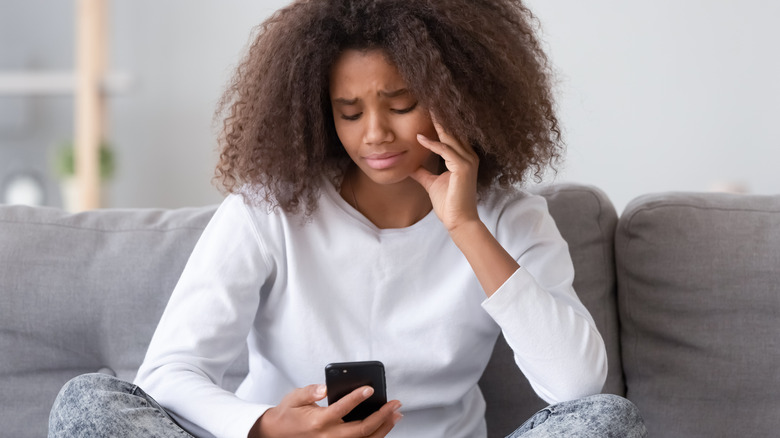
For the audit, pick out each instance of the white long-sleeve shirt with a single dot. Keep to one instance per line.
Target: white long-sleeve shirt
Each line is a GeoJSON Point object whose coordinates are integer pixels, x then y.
{"type": "Point", "coordinates": [336, 288]}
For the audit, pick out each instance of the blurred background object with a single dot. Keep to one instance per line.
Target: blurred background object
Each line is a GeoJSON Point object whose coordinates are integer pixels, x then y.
{"type": "Point", "coordinates": [656, 96]}
{"type": "Point", "coordinates": [23, 188]}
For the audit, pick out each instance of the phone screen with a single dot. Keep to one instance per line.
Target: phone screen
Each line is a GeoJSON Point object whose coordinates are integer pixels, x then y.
{"type": "Point", "coordinates": [344, 377]}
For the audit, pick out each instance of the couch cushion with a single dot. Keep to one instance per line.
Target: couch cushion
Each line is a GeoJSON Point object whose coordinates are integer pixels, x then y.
{"type": "Point", "coordinates": [586, 220]}
{"type": "Point", "coordinates": [81, 293]}
{"type": "Point", "coordinates": [699, 301]}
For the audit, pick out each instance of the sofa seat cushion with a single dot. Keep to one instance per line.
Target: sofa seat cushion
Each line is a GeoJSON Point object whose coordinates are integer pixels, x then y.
{"type": "Point", "coordinates": [699, 302]}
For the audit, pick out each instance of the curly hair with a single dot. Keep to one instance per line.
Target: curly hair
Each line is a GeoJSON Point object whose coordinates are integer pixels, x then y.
{"type": "Point", "coordinates": [477, 64]}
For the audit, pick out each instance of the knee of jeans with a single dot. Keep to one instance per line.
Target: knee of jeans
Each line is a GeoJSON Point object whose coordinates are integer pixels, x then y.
{"type": "Point", "coordinates": [618, 404]}
{"type": "Point", "coordinates": [86, 387]}
{"type": "Point", "coordinates": [79, 399]}
{"type": "Point", "coordinates": [68, 403]}
{"type": "Point", "coordinates": [619, 409]}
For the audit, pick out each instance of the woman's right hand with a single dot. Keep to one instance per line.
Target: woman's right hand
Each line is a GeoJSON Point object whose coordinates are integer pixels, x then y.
{"type": "Point", "coordinates": [298, 415]}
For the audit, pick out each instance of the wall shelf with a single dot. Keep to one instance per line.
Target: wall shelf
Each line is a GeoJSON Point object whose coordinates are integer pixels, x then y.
{"type": "Point", "coordinates": [25, 83]}
{"type": "Point", "coordinates": [88, 83]}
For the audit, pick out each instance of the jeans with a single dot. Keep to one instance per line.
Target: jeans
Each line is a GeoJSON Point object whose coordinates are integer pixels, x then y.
{"type": "Point", "coordinates": [99, 405]}
{"type": "Point", "coordinates": [601, 415]}
{"type": "Point", "coordinates": [95, 405]}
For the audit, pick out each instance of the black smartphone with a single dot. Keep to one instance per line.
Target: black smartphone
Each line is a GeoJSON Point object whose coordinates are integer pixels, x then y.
{"type": "Point", "coordinates": [344, 377]}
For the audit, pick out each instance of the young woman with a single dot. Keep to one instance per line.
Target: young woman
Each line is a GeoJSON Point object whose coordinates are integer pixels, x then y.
{"type": "Point", "coordinates": [370, 153]}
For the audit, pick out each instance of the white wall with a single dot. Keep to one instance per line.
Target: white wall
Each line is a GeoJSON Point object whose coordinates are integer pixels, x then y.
{"type": "Point", "coordinates": [667, 95]}
{"type": "Point", "coordinates": [181, 53]}
{"type": "Point", "coordinates": [654, 96]}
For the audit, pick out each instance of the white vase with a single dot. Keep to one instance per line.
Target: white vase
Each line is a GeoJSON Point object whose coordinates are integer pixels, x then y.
{"type": "Point", "coordinates": [70, 194]}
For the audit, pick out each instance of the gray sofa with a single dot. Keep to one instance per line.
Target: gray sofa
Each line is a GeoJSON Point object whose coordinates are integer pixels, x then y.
{"type": "Point", "coordinates": [685, 289]}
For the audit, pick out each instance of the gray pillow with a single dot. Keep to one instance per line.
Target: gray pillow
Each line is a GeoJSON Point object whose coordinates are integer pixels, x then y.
{"type": "Point", "coordinates": [81, 293]}
{"type": "Point", "coordinates": [699, 301]}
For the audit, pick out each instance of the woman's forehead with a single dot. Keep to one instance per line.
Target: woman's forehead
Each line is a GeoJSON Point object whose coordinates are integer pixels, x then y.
{"type": "Point", "coordinates": [361, 71]}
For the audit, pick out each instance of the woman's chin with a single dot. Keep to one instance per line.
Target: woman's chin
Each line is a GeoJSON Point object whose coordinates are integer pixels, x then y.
{"type": "Point", "coordinates": [387, 177]}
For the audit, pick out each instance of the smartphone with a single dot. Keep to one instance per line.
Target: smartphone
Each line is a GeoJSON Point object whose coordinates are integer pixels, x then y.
{"type": "Point", "coordinates": [344, 377]}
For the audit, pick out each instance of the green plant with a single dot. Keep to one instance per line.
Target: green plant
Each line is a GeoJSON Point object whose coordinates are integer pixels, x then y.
{"type": "Point", "coordinates": [65, 161]}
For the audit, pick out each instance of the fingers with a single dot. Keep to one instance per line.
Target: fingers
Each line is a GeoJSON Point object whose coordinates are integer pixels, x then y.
{"type": "Point", "coordinates": [306, 395]}
{"type": "Point", "coordinates": [442, 133]}
{"type": "Point", "coordinates": [436, 147]}
{"type": "Point", "coordinates": [424, 177]}
{"type": "Point", "coordinates": [299, 415]}
{"type": "Point", "coordinates": [463, 148]}
{"type": "Point", "coordinates": [455, 156]}
{"type": "Point", "coordinates": [347, 403]}
{"type": "Point", "coordinates": [379, 423]}
{"type": "Point", "coordinates": [384, 429]}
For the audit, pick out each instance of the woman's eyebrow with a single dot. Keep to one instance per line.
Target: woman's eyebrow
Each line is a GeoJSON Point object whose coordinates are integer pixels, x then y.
{"type": "Point", "coordinates": [395, 93]}
{"type": "Point", "coordinates": [344, 101]}
{"type": "Point", "coordinates": [383, 93]}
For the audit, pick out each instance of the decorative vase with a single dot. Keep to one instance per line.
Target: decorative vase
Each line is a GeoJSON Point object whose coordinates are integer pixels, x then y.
{"type": "Point", "coordinates": [69, 190]}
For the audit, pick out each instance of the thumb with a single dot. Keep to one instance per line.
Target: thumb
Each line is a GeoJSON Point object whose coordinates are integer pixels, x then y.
{"type": "Point", "coordinates": [424, 177]}
{"type": "Point", "coordinates": [306, 395]}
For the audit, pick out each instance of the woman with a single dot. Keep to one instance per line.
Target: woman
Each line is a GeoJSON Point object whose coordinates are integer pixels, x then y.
{"type": "Point", "coordinates": [370, 153]}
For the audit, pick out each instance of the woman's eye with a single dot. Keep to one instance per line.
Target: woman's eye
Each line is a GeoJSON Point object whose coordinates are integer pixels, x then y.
{"type": "Point", "coordinates": [405, 110]}
{"type": "Point", "coordinates": [352, 117]}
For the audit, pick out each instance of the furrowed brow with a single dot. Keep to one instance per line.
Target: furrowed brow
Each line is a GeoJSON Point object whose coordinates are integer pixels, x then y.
{"type": "Point", "coordinates": [395, 93]}
{"type": "Point", "coordinates": [343, 101]}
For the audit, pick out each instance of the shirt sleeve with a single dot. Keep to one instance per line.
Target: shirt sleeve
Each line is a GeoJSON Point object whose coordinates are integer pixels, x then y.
{"type": "Point", "coordinates": [205, 325]}
{"type": "Point", "coordinates": [555, 341]}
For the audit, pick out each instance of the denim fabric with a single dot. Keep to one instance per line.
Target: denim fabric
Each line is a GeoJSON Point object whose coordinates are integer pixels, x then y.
{"type": "Point", "coordinates": [101, 405]}
{"type": "Point", "coordinates": [95, 405]}
{"type": "Point", "coordinates": [602, 415]}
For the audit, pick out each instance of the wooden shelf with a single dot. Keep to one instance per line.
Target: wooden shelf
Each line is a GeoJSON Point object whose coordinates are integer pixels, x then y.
{"type": "Point", "coordinates": [25, 83]}
{"type": "Point", "coordinates": [89, 130]}
{"type": "Point", "coordinates": [88, 83]}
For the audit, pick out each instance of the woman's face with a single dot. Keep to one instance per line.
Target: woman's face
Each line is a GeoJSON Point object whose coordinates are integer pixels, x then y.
{"type": "Point", "coordinates": [377, 119]}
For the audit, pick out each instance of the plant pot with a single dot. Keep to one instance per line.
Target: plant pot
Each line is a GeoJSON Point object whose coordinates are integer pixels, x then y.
{"type": "Point", "coordinates": [70, 194]}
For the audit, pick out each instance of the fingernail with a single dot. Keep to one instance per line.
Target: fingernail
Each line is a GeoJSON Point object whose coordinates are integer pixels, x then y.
{"type": "Point", "coordinates": [421, 137]}
{"type": "Point", "coordinates": [368, 391]}
{"type": "Point", "coordinates": [320, 391]}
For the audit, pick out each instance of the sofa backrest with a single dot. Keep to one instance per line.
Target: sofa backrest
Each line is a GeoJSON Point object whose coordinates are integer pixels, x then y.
{"type": "Point", "coordinates": [699, 299]}
{"type": "Point", "coordinates": [84, 292]}
{"type": "Point", "coordinates": [81, 293]}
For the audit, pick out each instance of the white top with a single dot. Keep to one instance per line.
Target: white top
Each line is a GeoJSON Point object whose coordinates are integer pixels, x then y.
{"type": "Point", "coordinates": [337, 288]}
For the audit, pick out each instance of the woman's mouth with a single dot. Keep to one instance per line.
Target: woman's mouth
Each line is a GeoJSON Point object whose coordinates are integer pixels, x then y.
{"type": "Point", "coordinates": [383, 160]}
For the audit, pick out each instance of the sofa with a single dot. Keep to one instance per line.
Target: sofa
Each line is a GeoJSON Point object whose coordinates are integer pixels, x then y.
{"type": "Point", "coordinates": [684, 287]}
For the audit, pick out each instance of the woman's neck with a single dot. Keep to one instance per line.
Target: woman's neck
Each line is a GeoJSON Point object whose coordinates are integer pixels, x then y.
{"type": "Point", "coordinates": [396, 205]}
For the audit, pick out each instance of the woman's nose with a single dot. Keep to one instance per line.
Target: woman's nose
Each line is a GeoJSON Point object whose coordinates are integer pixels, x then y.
{"type": "Point", "coordinates": [377, 130]}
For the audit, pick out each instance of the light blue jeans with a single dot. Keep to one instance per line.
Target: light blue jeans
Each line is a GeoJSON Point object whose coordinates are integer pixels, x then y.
{"type": "Point", "coordinates": [98, 405]}
{"type": "Point", "coordinates": [601, 415]}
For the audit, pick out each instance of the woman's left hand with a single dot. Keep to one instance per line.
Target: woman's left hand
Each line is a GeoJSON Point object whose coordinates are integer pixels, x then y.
{"type": "Point", "coordinates": [454, 192]}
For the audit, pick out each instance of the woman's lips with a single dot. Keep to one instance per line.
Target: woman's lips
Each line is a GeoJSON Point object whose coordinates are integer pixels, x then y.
{"type": "Point", "coordinates": [384, 160]}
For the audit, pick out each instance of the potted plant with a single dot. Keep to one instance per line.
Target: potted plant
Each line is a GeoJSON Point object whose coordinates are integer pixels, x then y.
{"type": "Point", "coordinates": [65, 168]}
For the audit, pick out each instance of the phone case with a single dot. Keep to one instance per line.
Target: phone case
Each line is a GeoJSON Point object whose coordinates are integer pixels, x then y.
{"type": "Point", "coordinates": [344, 377]}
